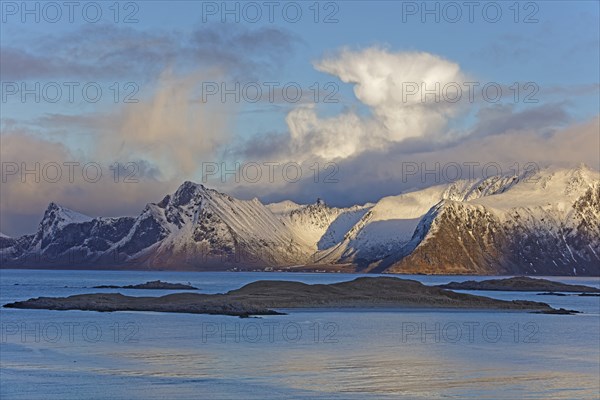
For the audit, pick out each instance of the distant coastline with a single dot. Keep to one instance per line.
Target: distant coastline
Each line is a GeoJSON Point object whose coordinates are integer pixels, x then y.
{"type": "Point", "coordinates": [266, 297]}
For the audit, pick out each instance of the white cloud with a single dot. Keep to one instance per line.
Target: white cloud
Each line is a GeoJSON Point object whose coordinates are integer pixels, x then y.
{"type": "Point", "coordinates": [383, 81]}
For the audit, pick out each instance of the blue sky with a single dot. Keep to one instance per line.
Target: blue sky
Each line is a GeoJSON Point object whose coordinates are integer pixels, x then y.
{"type": "Point", "coordinates": [175, 47]}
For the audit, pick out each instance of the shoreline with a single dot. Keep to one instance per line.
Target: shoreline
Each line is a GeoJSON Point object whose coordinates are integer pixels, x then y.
{"type": "Point", "coordinates": [312, 272]}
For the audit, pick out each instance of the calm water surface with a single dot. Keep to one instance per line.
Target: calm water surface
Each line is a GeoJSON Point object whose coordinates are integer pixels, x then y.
{"type": "Point", "coordinates": [345, 354]}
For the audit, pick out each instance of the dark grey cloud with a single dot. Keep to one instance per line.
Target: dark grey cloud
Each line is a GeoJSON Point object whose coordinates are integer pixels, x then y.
{"type": "Point", "coordinates": [510, 48]}
{"type": "Point", "coordinates": [90, 52]}
{"type": "Point", "coordinates": [572, 90]}
{"type": "Point", "coordinates": [20, 64]}
{"type": "Point", "coordinates": [503, 118]}
{"type": "Point", "coordinates": [242, 51]}
{"type": "Point", "coordinates": [88, 121]}
{"type": "Point", "coordinates": [267, 146]}
{"type": "Point", "coordinates": [97, 51]}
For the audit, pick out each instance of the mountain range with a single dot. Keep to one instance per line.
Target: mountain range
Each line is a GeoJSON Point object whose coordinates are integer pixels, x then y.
{"type": "Point", "coordinates": [540, 223]}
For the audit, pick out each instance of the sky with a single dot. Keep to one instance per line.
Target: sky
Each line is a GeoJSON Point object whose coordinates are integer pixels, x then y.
{"type": "Point", "coordinates": [108, 106]}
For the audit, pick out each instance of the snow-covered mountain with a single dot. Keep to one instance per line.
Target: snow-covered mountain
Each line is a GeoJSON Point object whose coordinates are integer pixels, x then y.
{"type": "Point", "coordinates": [546, 223]}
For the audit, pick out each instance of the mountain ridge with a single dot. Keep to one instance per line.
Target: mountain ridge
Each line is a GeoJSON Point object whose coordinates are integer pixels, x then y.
{"type": "Point", "coordinates": [545, 223]}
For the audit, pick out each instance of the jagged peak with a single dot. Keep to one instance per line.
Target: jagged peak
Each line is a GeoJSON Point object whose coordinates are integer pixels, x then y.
{"type": "Point", "coordinates": [53, 206]}
{"type": "Point", "coordinates": [283, 207]}
{"type": "Point", "coordinates": [64, 212]}
{"type": "Point", "coordinates": [57, 217]}
{"type": "Point", "coordinates": [163, 203]}
{"type": "Point", "coordinates": [189, 185]}
{"type": "Point", "coordinates": [186, 192]}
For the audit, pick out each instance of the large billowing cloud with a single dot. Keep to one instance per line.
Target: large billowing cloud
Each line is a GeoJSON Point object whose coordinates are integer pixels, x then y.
{"type": "Point", "coordinates": [383, 81]}
{"type": "Point", "coordinates": [391, 86]}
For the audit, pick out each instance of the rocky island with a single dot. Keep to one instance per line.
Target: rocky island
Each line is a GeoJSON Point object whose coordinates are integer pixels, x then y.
{"type": "Point", "coordinates": [262, 297]}
{"type": "Point", "coordinates": [151, 285]}
{"type": "Point", "coordinates": [519, 284]}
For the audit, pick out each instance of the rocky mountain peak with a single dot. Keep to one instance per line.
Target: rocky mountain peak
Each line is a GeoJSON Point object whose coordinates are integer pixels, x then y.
{"type": "Point", "coordinates": [56, 213]}
{"type": "Point", "coordinates": [186, 192]}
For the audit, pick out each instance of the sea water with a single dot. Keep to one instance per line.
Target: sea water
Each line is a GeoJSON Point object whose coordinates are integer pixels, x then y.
{"type": "Point", "coordinates": [307, 354]}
